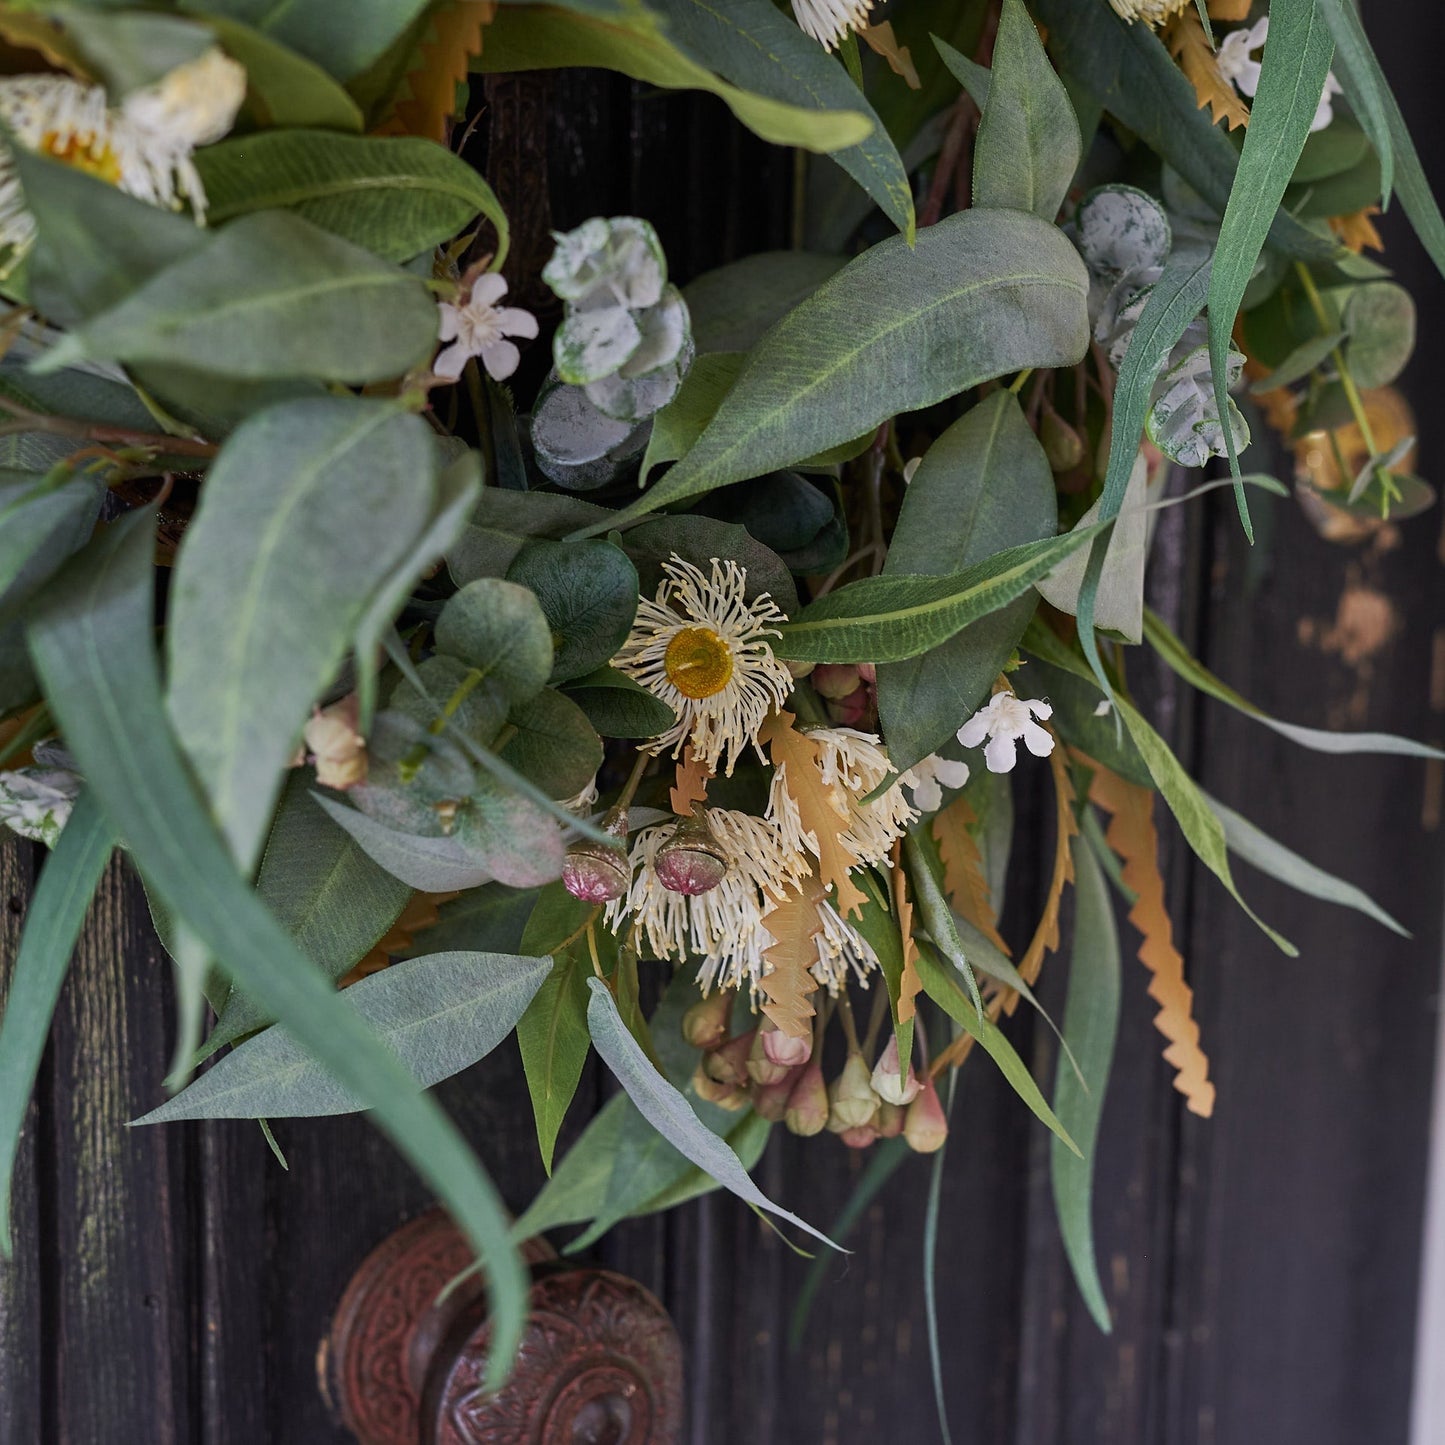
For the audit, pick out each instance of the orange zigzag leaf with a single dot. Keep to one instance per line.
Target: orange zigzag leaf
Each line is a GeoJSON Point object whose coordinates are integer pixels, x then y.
{"type": "Point", "coordinates": [1133, 837]}
{"type": "Point", "coordinates": [788, 983]}
{"type": "Point", "coordinates": [1188, 44]}
{"type": "Point", "coordinates": [427, 99]}
{"type": "Point", "coordinates": [963, 880]}
{"type": "Point", "coordinates": [691, 785]}
{"type": "Point", "coordinates": [909, 983]}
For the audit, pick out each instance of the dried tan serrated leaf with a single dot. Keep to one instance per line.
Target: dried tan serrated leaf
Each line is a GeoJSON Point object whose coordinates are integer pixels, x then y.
{"type": "Point", "coordinates": [1132, 836]}
{"type": "Point", "coordinates": [427, 98]}
{"type": "Point", "coordinates": [691, 785]}
{"type": "Point", "coordinates": [1046, 935]}
{"type": "Point", "coordinates": [963, 880]}
{"type": "Point", "coordinates": [1229, 10]}
{"type": "Point", "coordinates": [822, 816]}
{"type": "Point", "coordinates": [788, 985]}
{"type": "Point", "coordinates": [1188, 44]}
{"type": "Point", "coordinates": [420, 912]}
{"type": "Point", "coordinates": [909, 983]}
{"type": "Point", "coordinates": [1357, 230]}
{"type": "Point", "coordinates": [881, 40]}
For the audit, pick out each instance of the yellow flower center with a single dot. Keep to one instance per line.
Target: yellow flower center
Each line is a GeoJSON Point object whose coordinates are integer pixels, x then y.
{"type": "Point", "coordinates": [79, 151]}
{"type": "Point", "coordinates": [698, 662]}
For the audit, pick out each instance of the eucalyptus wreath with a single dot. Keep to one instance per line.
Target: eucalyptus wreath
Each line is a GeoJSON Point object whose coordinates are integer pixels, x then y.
{"type": "Point", "coordinates": [703, 671]}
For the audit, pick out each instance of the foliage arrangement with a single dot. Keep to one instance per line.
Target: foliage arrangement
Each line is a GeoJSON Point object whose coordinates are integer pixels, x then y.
{"type": "Point", "coordinates": [703, 671]}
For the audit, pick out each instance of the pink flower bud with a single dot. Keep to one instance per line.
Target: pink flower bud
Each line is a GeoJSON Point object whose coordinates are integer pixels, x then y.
{"type": "Point", "coordinates": [596, 872]}
{"type": "Point", "coordinates": [860, 1137]}
{"type": "Point", "coordinates": [889, 1122]}
{"type": "Point", "coordinates": [692, 861]}
{"type": "Point", "coordinates": [728, 1064]}
{"type": "Point", "coordinates": [761, 1069]}
{"type": "Point", "coordinates": [705, 1024]}
{"type": "Point", "coordinates": [784, 1049]}
{"type": "Point", "coordinates": [925, 1127]}
{"type": "Point", "coordinates": [887, 1083]}
{"type": "Point", "coordinates": [337, 749]}
{"type": "Point", "coordinates": [808, 1103]}
{"type": "Point", "coordinates": [834, 680]}
{"type": "Point", "coordinates": [852, 1102]}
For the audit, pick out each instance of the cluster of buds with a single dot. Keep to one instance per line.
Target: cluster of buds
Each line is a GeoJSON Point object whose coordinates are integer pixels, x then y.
{"type": "Point", "coordinates": [781, 1077]}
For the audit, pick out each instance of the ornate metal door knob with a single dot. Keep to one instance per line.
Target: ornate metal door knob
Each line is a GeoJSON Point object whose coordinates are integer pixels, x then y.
{"type": "Point", "coordinates": [600, 1362]}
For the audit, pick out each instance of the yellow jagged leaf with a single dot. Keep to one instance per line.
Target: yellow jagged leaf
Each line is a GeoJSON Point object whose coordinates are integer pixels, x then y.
{"type": "Point", "coordinates": [909, 983]}
{"type": "Point", "coordinates": [963, 880]}
{"type": "Point", "coordinates": [427, 99]}
{"type": "Point", "coordinates": [822, 815]}
{"type": "Point", "coordinates": [1132, 836]}
{"type": "Point", "coordinates": [1046, 935]}
{"type": "Point", "coordinates": [1229, 10]}
{"type": "Point", "coordinates": [788, 984]}
{"type": "Point", "coordinates": [1357, 230]}
{"type": "Point", "coordinates": [691, 784]}
{"type": "Point", "coordinates": [1188, 44]}
{"type": "Point", "coordinates": [881, 40]}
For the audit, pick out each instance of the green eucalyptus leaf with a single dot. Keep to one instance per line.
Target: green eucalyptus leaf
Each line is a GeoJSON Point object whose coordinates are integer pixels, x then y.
{"type": "Point", "coordinates": [984, 485]}
{"type": "Point", "coordinates": [945, 989]}
{"type": "Point", "coordinates": [53, 922]}
{"type": "Point", "coordinates": [588, 592]}
{"type": "Point", "coordinates": [1091, 1026]}
{"type": "Point", "coordinates": [395, 195]}
{"type": "Point", "coordinates": [503, 523]}
{"type": "Point", "coordinates": [437, 1014]}
{"type": "Point", "coordinates": [41, 524]}
{"type": "Point", "coordinates": [1299, 363]}
{"type": "Point", "coordinates": [499, 629]}
{"type": "Point", "coordinates": [698, 539]}
{"type": "Point", "coordinates": [552, 1034]}
{"type": "Point", "coordinates": [984, 292]}
{"type": "Point", "coordinates": [618, 707]}
{"type": "Point", "coordinates": [305, 512]}
{"type": "Point", "coordinates": [431, 864]}
{"type": "Point", "coordinates": [669, 1112]}
{"type": "Point", "coordinates": [324, 890]}
{"type": "Point", "coordinates": [1292, 77]}
{"type": "Point", "coordinates": [976, 79]}
{"type": "Point", "coordinates": [271, 295]}
{"type": "Point", "coordinates": [633, 40]}
{"type": "Point", "coordinates": [1380, 320]}
{"type": "Point", "coordinates": [890, 618]}
{"type": "Point", "coordinates": [134, 49]}
{"type": "Point", "coordinates": [733, 306]}
{"type": "Point", "coordinates": [489, 919]}
{"type": "Point", "coordinates": [751, 44]}
{"type": "Point", "coordinates": [90, 638]}
{"type": "Point", "coordinates": [282, 87]}
{"type": "Point", "coordinates": [508, 834]}
{"type": "Point", "coordinates": [1028, 145]}
{"type": "Point", "coordinates": [554, 745]}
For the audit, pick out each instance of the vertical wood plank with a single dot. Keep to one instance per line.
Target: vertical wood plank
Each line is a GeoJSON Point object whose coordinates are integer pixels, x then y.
{"type": "Point", "coordinates": [21, 1336]}
{"type": "Point", "coordinates": [122, 1272]}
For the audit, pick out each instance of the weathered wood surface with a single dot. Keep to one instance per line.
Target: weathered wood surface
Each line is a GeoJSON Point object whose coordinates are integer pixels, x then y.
{"type": "Point", "coordinates": [175, 1285]}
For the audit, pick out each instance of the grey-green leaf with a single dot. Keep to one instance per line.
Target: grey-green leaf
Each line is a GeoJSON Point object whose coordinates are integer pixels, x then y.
{"type": "Point", "coordinates": [733, 306]}
{"type": "Point", "coordinates": [438, 1015]}
{"type": "Point", "coordinates": [669, 1112]}
{"type": "Point", "coordinates": [271, 295]}
{"type": "Point", "coordinates": [304, 513]}
{"type": "Point", "coordinates": [984, 292]}
{"type": "Point", "coordinates": [1027, 148]}
{"type": "Point", "coordinates": [434, 865]}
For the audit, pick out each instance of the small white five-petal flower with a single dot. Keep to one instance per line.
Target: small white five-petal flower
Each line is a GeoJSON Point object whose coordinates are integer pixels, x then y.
{"type": "Point", "coordinates": [1238, 66]}
{"type": "Point", "coordinates": [1003, 720]}
{"type": "Point", "coordinates": [932, 776]}
{"type": "Point", "coordinates": [480, 327]}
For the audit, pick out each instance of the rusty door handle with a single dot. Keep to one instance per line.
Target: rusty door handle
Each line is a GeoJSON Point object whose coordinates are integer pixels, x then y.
{"type": "Point", "coordinates": [600, 1362]}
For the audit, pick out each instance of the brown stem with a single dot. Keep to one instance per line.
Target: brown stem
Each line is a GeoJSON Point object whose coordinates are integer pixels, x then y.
{"type": "Point", "coordinates": [31, 421]}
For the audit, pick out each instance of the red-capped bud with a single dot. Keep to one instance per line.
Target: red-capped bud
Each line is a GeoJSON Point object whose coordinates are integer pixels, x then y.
{"type": "Point", "coordinates": [728, 1064]}
{"type": "Point", "coordinates": [705, 1024]}
{"type": "Point", "coordinates": [597, 872]}
{"type": "Point", "coordinates": [834, 679]}
{"type": "Point", "coordinates": [889, 1122]}
{"type": "Point", "coordinates": [761, 1069]}
{"type": "Point", "coordinates": [860, 1137]}
{"type": "Point", "coordinates": [808, 1103]}
{"type": "Point", "coordinates": [784, 1049]}
{"type": "Point", "coordinates": [692, 861]}
{"type": "Point", "coordinates": [852, 1102]}
{"type": "Point", "coordinates": [771, 1100]}
{"type": "Point", "coordinates": [925, 1126]}
{"type": "Point", "coordinates": [887, 1082]}
{"type": "Point", "coordinates": [725, 1096]}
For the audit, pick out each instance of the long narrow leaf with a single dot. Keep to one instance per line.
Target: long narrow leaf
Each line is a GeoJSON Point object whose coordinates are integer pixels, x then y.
{"type": "Point", "coordinates": [90, 638]}
{"type": "Point", "coordinates": [1296, 63]}
{"type": "Point", "coordinates": [668, 1112]}
{"type": "Point", "coordinates": [52, 925]}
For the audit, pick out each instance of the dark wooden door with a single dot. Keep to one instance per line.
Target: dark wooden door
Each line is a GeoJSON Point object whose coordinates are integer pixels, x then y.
{"type": "Point", "coordinates": [174, 1285]}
